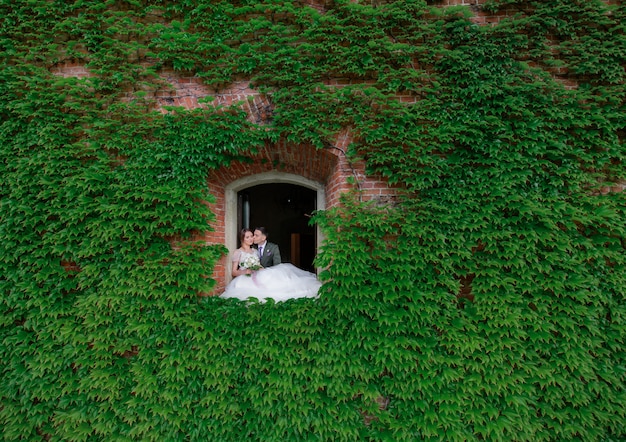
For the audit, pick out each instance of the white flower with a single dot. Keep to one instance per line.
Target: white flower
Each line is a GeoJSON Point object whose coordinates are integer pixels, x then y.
{"type": "Point", "coordinates": [250, 262]}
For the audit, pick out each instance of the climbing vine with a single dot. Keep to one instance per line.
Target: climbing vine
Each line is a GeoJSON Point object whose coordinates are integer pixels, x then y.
{"type": "Point", "coordinates": [486, 302]}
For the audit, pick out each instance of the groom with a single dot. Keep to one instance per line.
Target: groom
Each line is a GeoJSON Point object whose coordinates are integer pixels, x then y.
{"type": "Point", "coordinates": [269, 253]}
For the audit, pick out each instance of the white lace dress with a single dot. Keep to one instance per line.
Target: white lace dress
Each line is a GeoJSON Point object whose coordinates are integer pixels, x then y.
{"type": "Point", "coordinates": [280, 282]}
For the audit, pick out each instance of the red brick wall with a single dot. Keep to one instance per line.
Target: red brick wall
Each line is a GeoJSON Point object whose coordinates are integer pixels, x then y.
{"type": "Point", "coordinates": [328, 166]}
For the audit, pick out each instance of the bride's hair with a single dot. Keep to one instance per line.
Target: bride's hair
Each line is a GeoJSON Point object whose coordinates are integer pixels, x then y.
{"type": "Point", "coordinates": [242, 234]}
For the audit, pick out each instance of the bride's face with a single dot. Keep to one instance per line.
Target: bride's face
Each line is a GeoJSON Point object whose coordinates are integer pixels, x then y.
{"type": "Point", "coordinates": [248, 238]}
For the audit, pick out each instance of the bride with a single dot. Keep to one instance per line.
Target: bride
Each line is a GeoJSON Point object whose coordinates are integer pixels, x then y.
{"type": "Point", "coordinates": [279, 282]}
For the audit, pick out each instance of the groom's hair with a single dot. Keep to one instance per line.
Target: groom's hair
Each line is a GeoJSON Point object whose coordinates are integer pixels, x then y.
{"type": "Point", "coordinates": [263, 231]}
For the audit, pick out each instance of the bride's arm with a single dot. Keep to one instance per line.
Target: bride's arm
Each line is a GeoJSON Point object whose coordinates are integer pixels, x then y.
{"type": "Point", "coordinates": [236, 271]}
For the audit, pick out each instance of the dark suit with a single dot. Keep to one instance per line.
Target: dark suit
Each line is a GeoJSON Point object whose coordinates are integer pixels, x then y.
{"type": "Point", "coordinates": [271, 255]}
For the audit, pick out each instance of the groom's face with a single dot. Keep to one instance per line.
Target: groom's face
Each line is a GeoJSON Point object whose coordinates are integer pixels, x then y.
{"type": "Point", "coordinates": [259, 238]}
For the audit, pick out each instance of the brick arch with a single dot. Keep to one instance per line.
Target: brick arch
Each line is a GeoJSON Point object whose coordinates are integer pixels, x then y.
{"type": "Point", "coordinates": [321, 170]}
{"type": "Point", "coordinates": [325, 170]}
{"type": "Point", "coordinates": [298, 159]}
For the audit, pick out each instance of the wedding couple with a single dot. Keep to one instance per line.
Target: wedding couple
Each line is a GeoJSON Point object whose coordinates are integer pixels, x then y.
{"type": "Point", "coordinates": [258, 272]}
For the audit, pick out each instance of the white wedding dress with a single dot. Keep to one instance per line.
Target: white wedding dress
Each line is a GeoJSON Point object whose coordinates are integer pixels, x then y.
{"type": "Point", "coordinates": [279, 282]}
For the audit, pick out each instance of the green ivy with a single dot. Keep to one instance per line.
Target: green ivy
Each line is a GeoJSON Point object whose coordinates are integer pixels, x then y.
{"type": "Point", "coordinates": [485, 302]}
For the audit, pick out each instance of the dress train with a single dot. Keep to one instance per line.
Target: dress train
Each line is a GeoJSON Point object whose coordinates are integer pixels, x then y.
{"type": "Point", "coordinates": [280, 282]}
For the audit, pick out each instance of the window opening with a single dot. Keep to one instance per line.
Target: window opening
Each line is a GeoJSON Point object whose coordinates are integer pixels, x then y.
{"type": "Point", "coordinates": [285, 211]}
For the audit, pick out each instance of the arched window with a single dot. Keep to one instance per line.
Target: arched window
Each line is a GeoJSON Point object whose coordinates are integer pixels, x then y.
{"type": "Point", "coordinates": [278, 201]}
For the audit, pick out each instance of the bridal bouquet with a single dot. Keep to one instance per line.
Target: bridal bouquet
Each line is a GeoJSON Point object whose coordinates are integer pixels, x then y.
{"type": "Point", "coordinates": [250, 262]}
